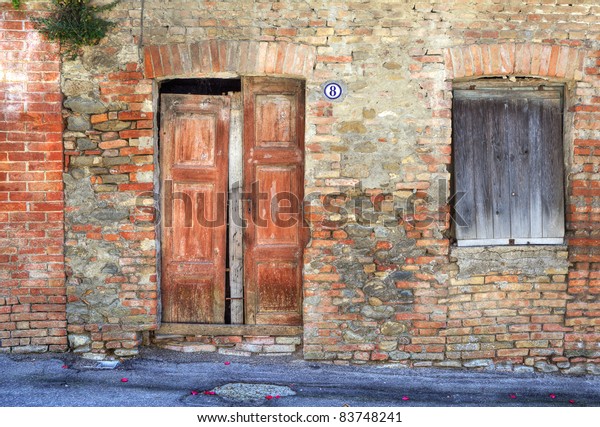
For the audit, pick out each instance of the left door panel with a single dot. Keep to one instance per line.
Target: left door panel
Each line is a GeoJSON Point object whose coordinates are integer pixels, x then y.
{"type": "Point", "coordinates": [194, 142]}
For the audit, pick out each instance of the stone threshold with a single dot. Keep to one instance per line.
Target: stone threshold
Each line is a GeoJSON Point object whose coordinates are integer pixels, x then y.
{"type": "Point", "coordinates": [222, 330]}
{"type": "Point", "coordinates": [232, 340]}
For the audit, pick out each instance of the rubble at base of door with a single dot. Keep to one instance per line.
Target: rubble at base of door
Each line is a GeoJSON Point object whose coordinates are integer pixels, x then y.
{"type": "Point", "coordinates": [230, 345]}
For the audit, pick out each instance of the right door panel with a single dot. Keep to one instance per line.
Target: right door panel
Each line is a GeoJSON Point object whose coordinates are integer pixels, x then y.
{"type": "Point", "coordinates": [273, 194]}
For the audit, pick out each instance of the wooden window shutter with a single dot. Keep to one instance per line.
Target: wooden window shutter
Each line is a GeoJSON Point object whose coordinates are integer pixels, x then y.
{"type": "Point", "coordinates": [508, 166]}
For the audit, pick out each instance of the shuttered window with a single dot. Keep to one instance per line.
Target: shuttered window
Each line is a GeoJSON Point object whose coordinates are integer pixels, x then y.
{"type": "Point", "coordinates": [508, 166]}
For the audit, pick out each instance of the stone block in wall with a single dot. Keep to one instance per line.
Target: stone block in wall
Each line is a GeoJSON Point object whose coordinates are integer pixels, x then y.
{"type": "Point", "coordinates": [504, 260]}
{"type": "Point", "coordinates": [79, 104]}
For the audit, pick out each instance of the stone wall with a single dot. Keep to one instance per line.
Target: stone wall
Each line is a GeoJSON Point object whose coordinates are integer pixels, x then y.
{"type": "Point", "coordinates": [380, 281]}
{"type": "Point", "coordinates": [110, 238]}
{"type": "Point", "coordinates": [32, 293]}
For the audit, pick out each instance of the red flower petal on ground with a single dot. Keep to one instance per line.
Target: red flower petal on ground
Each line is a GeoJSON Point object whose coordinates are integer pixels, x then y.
{"type": "Point", "coordinates": [405, 398]}
{"type": "Point", "coordinates": [194, 392]}
{"type": "Point", "coordinates": [571, 401]}
{"type": "Point", "coordinates": [124, 380]}
{"type": "Point", "coordinates": [268, 397]}
{"type": "Point", "coordinates": [552, 396]}
{"type": "Point", "coordinates": [278, 397]}
{"type": "Point", "coordinates": [512, 396]}
{"type": "Point", "coordinates": [228, 363]}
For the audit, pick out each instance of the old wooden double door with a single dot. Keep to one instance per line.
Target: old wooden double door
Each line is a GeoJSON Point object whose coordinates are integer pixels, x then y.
{"type": "Point", "coordinates": [195, 169]}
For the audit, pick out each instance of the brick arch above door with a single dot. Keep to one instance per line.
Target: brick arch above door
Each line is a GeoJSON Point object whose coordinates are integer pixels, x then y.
{"type": "Point", "coordinates": [522, 59]}
{"type": "Point", "coordinates": [218, 56]}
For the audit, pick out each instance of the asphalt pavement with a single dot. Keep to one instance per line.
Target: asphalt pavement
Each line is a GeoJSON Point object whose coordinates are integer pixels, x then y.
{"type": "Point", "coordinates": [168, 379]}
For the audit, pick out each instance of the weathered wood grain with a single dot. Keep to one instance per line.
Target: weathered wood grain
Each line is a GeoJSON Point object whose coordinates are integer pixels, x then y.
{"type": "Point", "coordinates": [274, 183]}
{"type": "Point", "coordinates": [194, 145]}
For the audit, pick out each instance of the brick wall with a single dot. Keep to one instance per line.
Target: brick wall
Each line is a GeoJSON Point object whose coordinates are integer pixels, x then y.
{"type": "Point", "coordinates": [32, 291]}
{"type": "Point", "coordinates": [506, 306]}
{"type": "Point", "coordinates": [382, 281]}
{"type": "Point", "coordinates": [583, 218]}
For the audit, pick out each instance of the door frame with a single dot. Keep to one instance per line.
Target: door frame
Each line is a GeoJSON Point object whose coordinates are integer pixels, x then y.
{"type": "Point", "coordinates": [207, 328]}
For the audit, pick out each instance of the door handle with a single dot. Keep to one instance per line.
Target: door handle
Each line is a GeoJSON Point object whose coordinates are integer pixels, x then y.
{"type": "Point", "coordinates": [248, 205]}
{"type": "Point", "coordinates": [249, 209]}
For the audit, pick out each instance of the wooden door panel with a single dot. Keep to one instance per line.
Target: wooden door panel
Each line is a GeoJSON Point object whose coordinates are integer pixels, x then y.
{"type": "Point", "coordinates": [274, 181]}
{"type": "Point", "coordinates": [193, 299]}
{"type": "Point", "coordinates": [275, 120]}
{"type": "Point", "coordinates": [280, 208]}
{"type": "Point", "coordinates": [201, 131]}
{"type": "Point", "coordinates": [194, 150]}
{"type": "Point", "coordinates": [189, 237]}
{"type": "Point", "coordinates": [279, 291]}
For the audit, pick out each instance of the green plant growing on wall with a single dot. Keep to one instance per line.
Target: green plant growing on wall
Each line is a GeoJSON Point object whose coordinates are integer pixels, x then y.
{"type": "Point", "coordinates": [75, 23]}
{"type": "Point", "coordinates": [16, 3]}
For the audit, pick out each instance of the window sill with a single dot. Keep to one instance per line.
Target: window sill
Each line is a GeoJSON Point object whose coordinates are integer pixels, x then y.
{"type": "Point", "coordinates": [529, 260]}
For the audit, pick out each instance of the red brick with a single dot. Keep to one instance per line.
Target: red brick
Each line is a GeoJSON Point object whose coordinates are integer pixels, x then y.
{"type": "Point", "coordinates": [37, 151]}
{"type": "Point", "coordinates": [135, 115]}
